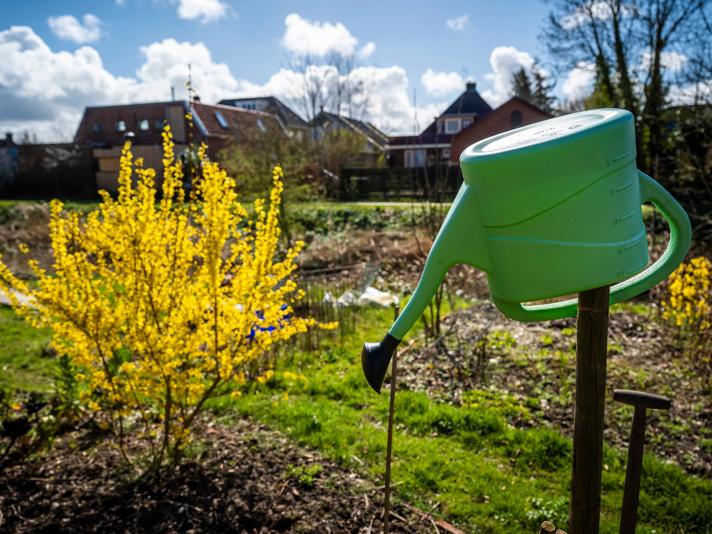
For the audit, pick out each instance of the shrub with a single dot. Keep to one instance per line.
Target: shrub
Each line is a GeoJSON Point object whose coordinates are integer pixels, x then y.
{"type": "Point", "coordinates": [688, 306]}
{"type": "Point", "coordinates": [160, 304]}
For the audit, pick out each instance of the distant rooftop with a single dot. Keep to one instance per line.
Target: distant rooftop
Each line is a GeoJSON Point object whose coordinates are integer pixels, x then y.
{"type": "Point", "coordinates": [269, 104]}
{"type": "Point", "coordinates": [470, 102]}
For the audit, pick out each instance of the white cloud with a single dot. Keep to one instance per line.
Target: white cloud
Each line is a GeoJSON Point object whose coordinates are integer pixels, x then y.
{"type": "Point", "coordinates": [598, 10]}
{"type": "Point", "coordinates": [166, 65]}
{"type": "Point", "coordinates": [691, 93]}
{"type": "Point", "coordinates": [45, 92]}
{"type": "Point", "coordinates": [579, 81]}
{"type": "Point", "coordinates": [386, 101]}
{"type": "Point", "coordinates": [442, 83]}
{"type": "Point", "coordinates": [68, 27]}
{"type": "Point", "coordinates": [673, 61]}
{"type": "Point", "coordinates": [367, 50]}
{"type": "Point", "coordinates": [304, 37]}
{"type": "Point", "coordinates": [203, 10]}
{"type": "Point", "coordinates": [120, 2]}
{"type": "Point", "coordinates": [505, 61]}
{"type": "Point", "coordinates": [458, 24]}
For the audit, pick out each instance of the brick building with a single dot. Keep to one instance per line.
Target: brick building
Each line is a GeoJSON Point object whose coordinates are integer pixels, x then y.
{"type": "Point", "coordinates": [467, 120]}
{"type": "Point", "coordinates": [105, 128]}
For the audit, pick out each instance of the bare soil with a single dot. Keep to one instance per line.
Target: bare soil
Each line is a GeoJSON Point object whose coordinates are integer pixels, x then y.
{"type": "Point", "coordinates": [241, 481]}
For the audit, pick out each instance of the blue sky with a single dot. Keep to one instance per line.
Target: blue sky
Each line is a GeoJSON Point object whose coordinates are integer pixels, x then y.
{"type": "Point", "coordinates": [61, 56]}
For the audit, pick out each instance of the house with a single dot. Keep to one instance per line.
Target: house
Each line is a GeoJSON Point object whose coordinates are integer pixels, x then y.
{"type": "Point", "coordinates": [375, 141]}
{"type": "Point", "coordinates": [467, 120]}
{"type": "Point", "coordinates": [105, 128]}
{"type": "Point", "coordinates": [270, 104]}
{"type": "Point", "coordinates": [514, 113]}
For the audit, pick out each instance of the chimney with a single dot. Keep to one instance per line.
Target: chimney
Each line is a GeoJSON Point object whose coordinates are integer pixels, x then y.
{"type": "Point", "coordinates": [173, 94]}
{"type": "Point", "coordinates": [471, 87]}
{"type": "Point", "coordinates": [8, 138]}
{"type": "Point", "coordinates": [196, 98]}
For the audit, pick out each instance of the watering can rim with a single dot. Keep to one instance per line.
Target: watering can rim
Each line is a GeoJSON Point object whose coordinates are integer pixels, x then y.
{"type": "Point", "coordinates": [521, 145]}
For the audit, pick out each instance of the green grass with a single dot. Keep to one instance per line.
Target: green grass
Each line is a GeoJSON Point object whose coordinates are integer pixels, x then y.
{"type": "Point", "coordinates": [25, 362]}
{"type": "Point", "coordinates": [487, 476]}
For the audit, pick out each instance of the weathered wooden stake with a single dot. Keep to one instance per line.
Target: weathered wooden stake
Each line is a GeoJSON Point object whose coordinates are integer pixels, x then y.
{"type": "Point", "coordinates": [591, 349]}
{"type": "Point", "coordinates": [389, 440]}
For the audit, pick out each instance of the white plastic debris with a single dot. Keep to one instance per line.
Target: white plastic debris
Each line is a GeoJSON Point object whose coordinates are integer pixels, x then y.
{"type": "Point", "coordinates": [346, 299]}
{"type": "Point", "coordinates": [375, 296]}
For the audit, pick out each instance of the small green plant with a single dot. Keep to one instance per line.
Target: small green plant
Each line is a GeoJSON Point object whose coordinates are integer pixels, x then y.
{"type": "Point", "coordinates": [304, 474]}
{"type": "Point", "coordinates": [556, 511]}
{"type": "Point", "coordinates": [547, 340]}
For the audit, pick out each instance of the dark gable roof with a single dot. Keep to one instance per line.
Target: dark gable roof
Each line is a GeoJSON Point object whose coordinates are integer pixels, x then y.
{"type": "Point", "coordinates": [373, 134]}
{"type": "Point", "coordinates": [237, 121]}
{"type": "Point", "coordinates": [469, 102]}
{"type": "Point", "coordinates": [105, 119]}
{"type": "Point", "coordinates": [271, 105]}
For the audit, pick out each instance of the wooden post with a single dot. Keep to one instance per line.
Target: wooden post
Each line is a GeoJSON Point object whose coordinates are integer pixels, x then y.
{"type": "Point", "coordinates": [591, 349]}
{"type": "Point", "coordinates": [389, 439]}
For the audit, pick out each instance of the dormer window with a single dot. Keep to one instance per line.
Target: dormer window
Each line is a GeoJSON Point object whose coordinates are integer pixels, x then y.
{"type": "Point", "coordinates": [452, 126]}
{"type": "Point", "coordinates": [121, 126]}
{"type": "Point", "coordinates": [221, 120]}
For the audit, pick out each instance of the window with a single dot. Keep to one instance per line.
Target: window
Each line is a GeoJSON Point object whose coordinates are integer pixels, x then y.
{"type": "Point", "coordinates": [158, 125]}
{"type": "Point", "coordinates": [415, 158]}
{"type": "Point", "coordinates": [221, 120]}
{"type": "Point", "coordinates": [515, 119]}
{"type": "Point", "coordinates": [466, 123]}
{"type": "Point", "coordinates": [446, 153]}
{"type": "Point", "coordinates": [452, 126]}
{"type": "Point", "coordinates": [121, 126]}
{"type": "Point", "coordinates": [96, 127]}
{"type": "Point", "coordinates": [261, 125]}
{"type": "Point", "coordinates": [143, 124]}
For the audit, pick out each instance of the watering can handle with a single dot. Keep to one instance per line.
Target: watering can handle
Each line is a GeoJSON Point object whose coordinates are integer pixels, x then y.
{"type": "Point", "coordinates": [680, 235]}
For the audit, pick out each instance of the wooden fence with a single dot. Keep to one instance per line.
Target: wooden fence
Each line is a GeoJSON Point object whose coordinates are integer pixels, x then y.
{"type": "Point", "coordinates": [438, 182]}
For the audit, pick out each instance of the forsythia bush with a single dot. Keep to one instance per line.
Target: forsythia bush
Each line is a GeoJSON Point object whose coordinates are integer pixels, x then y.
{"type": "Point", "coordinates": [161, 303]}
{"type": "Point", "coordinates": [688, 305]}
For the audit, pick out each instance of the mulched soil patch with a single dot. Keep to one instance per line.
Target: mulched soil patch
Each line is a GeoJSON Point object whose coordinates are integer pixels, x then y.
{"type": "Point", "coordinates": [534, 364]}
{"type": "Point", "coordinates": [242, 481]}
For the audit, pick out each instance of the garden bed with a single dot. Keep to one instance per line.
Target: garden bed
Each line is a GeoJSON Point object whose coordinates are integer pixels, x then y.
{"type": "Point", "coordinates": [527, 371]}
{"type": "Point", "coordinates": [244, 478]}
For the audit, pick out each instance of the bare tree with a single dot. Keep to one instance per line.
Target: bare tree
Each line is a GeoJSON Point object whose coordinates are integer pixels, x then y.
{"type": "Point", "coordinates": [329, 84]}
{"type": "Point", "coordinates": [630, 44]}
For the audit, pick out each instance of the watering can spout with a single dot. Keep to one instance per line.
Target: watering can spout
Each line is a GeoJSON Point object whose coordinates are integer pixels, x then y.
{"type": "Point", "coordinates": [375, 359]}
{"type": "Point", "coordinates": [461, 240]}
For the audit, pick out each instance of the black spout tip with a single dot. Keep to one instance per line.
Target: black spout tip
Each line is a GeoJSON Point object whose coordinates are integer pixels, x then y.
{"type": "Point", "coordinates": [375, 359]}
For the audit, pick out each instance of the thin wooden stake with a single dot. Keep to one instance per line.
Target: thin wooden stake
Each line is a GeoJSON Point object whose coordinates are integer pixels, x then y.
{"type": "Point", "coordinates": [389, 441]}
{"type": "Point", "coordinates": [591, 350]}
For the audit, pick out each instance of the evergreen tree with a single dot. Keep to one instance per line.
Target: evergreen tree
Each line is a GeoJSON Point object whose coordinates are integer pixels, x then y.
{"type": "Point", "coordinates": [542, 97]}
{"type": "Point", "coordinates": [522, 85]}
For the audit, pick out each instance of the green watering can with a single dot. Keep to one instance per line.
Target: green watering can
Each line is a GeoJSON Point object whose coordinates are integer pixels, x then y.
{"type": "Point", "coordinates": [547, 210]}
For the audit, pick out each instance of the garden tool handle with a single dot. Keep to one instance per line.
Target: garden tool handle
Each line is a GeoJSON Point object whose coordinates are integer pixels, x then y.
{"type": "Point", "coordinates": [680, 236]}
